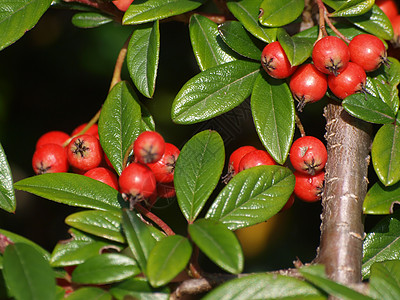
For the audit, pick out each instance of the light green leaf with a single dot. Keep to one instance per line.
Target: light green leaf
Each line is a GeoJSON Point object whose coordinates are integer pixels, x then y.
{"type": "Point", "coordinates": [279, 13]}
{"type": "Point", "coordinates": [380, 199]}
{"type": "Point", "coordinates": [353, 8]}
{"type": "Point", "coordinates": [7, 194]}
{"type": "Point", "coordinates": [90, 19]}
{"type": "Point", "coordinates": [138, 288]}
{"type": "Point", "coordinates": [385, 280]}
{"type": "Point", "coordinates": [297, 49]}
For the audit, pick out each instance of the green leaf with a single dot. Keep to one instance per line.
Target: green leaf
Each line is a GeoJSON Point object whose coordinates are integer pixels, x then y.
{"type": "Point", "coordinates": [247, 11]}
{"type": "Point", "coordinates": [381, 243]}
{"type": "Point", "coordinates": [143, 11]}
{"type": "Point", "coordinates": [85, 293]}
{"type": "Point", "coordinates": [197, 171]}
{"type": "Point", "coordinates": [142, 57]}
{"type": "Point", "coordinates": [99, 223]}
{"type": "Point", "coordinates": [369, 108]}
{"type": "Point", "coordinates": [17, 17]}
{"type": "Point", "coordinates": [252, 196]}
{"type": "Point", "coordinates": [297, 49]}
{"type": "Point", "coordinates": [273, 113]}
{"type": "Point", "coordinates": [218, 243]}
{"type": "Point", "coordinates": [105, 268]}
{"type": "Point", "coordinates": [380, 199]}
{"type": "Point", "coordinates": [208, 47]}
{"type": "Point", "coordinates": [139, 289]}
{"type": "Point", "coordinates": [90, 19]}
{"type": "Point", "coordinates": [240, 40]}
{"type": "Point", "coordinates": [385, 153]}
{"type": "Point", "coordinates": [73, 189]}
{"type": "Point", "coordinates": [167, 259]}
{"type": "Point", "coordinates": [139, 237]}
{"type": "Point", "coordinates": [279, 13]}
{"type": "Point", "coordinates": [119, 123]}
{"type": "Point", "coordinates": [79, 248]}
{"type": "Point", "coordinates": [214, 91]}
{"type": "Point", "coordinates": [7, 194]}
{"type": "Point", "coordinates": [27, 273]}
{"type": "Point", "coordinates": [353, 8]}
{"type": "Point", "coordinates": [385, 280]}
{"type": "Point", "coordinates": [265, 286]}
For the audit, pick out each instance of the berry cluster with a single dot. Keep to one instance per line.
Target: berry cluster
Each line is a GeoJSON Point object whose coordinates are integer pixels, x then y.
{"type": "Point", "coordinates": [389, 7]}
{"type": "Point", "coordinates": [335, 64]}
{"type": "Point", "coordinates": [150, 174]}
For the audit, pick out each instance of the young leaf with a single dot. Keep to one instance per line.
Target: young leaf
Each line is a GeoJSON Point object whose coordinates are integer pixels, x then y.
{"type": "Point", "coordinates": [252, 196]}
{"type": "Point", "coordinates": [197, 171]}
{"type": "Point", "coordinates": [119, 123]}
{"type": "Point", "coordinates": [142, 57]}
{"type": "Point", "coordinates": [7, 194]}
{"type": "Point", "coordinates": [273, 113]}
{"type": "Point", "coordinates": [27, 273]}
{"type": "Point", "coordinates": [139, 237]}
{"type": "Point", "coordinates": [353, 8]}
{"type": "Point", "coordinates": [385, 153]}
{"type": "Point", "coordinates": [381, 243]}
{"type": "Point", "coordinates": [73, 189]}
{"type": "Point", "coordinates": [90, 293]}
{"type": "Point", "coordinates": [138, 288]}
{"type": "Point", "coordinates": [279, 13]}
{"type": "Point", "coordinates": [214, 91]}
{"type": "Point", "coordinates": [385, 280]}
{"type": "Point", "coordinates": [90, 19]}
{"type": "Point", "coordinates": [247, 11]}
{"type": "Point", "coordinates": [105, 268]}
{"type": "Point", "coordinates": [208, 47]}
{"type": "Point", "coordinates": [380, 199]}
{"type": "Point", "coordinates": [99, 223]}
{"type": "Point", "coordinates": [297, 49]}
{"type": "Point", "coordinates": [143, 11]}
{"type": "Point", "coordinates": [17, 17]}
{"type": "Point", "coordinates": [167, 259]}
{"type": "Point", "coordinates": [265, 286]}
{"type": "Point", "coordinates": [218, 243]}
{"type": "Point", "coordinates": [240, 40]}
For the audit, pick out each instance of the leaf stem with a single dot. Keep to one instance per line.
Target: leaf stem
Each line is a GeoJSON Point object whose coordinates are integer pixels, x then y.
{"type": "Point", "coordinates": [119, 63]}
{"type": "Point", "coordinates": [299, 125]}
{"type": "Point", "coordinates": [155, 219]}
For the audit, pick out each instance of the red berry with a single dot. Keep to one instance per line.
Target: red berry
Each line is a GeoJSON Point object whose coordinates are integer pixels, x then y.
{"type": "Point", "coordinates": [50, 158]}
{"type": "Point", "coordinates": [275, 61]}
{"type": "Point", "coordinates": [308, 155]}
{"type": "Point", "coordinates": [331, 55]}
{"type": "Point", "coordinates": [122, 4]}
{"type": "Point", "coordinates": [350, 81]}
{"type": "Point", "coordinates": [388, 7]}
{"type": "Point", "coordinates": [237, 156]}
{"type": "Point", "coordinates": [93, 130]}
{"type": "Point", "coordinates": [166, 190]}
{"type": "Point", "coordinates": [103, 175]}
{"type": "Point", "coordinates": [163, 169]}
{"type": "Point", "coordinates": [255, 158]}
{"type": "Point", "coordinates": [367, 51]}
{"type": "Point", "coordinates": [308, 85]}
{"type": "Point", "coordinates": [149, 147]}
{"type": "Point", "coordinates": [84, 152]}
{"type": "Point", "coordinates": [53, 137]}
{"type": "Point", "coordinates": [309, 187]}
{"type": "Point", "coordinates": [136, 183]}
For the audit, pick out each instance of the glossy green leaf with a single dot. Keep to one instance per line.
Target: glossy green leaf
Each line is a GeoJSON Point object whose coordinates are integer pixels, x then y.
{"type": "Point", "coordinates": [139, 237]}
{"type": "Point", "coordinates": [214, 91]}
{"type": "Point", "coordinates": [297, 49]}
{"type": "Point", "coordinates": [17, 17]}
{"type": "Point", "coordinates": [197, 171]}
{"type": "Point", "coordinates": [252, 196]}
{"type": "Point", "coordinates": [279, 13]}
{"type": "Point", "coordinates": [380, 199]}
{"type": "Point", "coordinates": [208, 47]}
{"type": "Point", "coordinates": [265, 286]}
{"type": "Point", "coordinates": [353, 8]}
{"type": "Point", "coordinates": [273, 113]}
{"type": "Point", "coordinates": [240, 40]}
{"type": "Point", "coordinates": [105, 268]}
{"type": "Point", "coordinates": [385, 280]}
{"type": "Point", "coordinates": [90, 19]}
{"type": "Point", "coordinates": [143, 11]}
{"type": "Point", "coordinates": [385, 154]}
{"type": "Point", "coordinates": [80, 247]}
{"type": "Point", "coordinates": [119, 123]}
{"type": "Point", "coordinates": [7, 194]}
{"type": "Point", "coordinates": [247, 11]}
{"type": "Point", "coordinates": [99, 223]}
{"type": "Point", "coordinates": [382, 243]}
{"type": "Point", "coordinates": [73, 189]}
{"type": "Point", "coordinates": [218, 243]}
{"type": "Point", "coordinates": [27, 273]}
{"type": "Point", "coordinates": [369, 108]}
{"type": "Point", "coordinates": [90, 292]}
{"type": "Point", "coordinates": [138, 288]}
{"type": "Point", "coordinates": [167, 259]}
{"type": "Point", "coordinates": [142, 57]}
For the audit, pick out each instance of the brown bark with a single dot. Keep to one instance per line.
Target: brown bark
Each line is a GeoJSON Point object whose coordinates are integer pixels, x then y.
{"type": "Point", "coordinates": [342, 231]}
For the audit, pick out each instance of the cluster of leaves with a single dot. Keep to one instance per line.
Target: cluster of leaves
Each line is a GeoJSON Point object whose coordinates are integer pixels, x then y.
{"type": "Point", "coordinates": [116, 253]}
